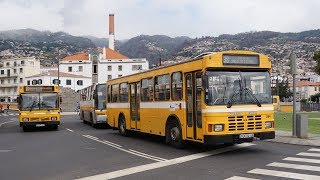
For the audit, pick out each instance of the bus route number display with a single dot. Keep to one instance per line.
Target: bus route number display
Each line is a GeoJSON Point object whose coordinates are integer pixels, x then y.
{"type": "Point", "coordinates": [38, 88]}
{"type": "Point", "coordinates": [244, 60]}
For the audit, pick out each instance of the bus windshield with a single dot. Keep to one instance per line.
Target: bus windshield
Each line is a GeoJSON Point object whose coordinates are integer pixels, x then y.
{"type": "Point", "coordinates": [227, 88]}
{"type": "Point", "coordinates": [101, 94]}
{"type": "Point", "coordinates": [39, 101]}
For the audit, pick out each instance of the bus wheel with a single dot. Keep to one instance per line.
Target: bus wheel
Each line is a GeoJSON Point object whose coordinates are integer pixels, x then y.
{"type": "Point", "coordinates": [55, 127]}
{"type": "Point", "coordinates": [174, 135]}
{"type": "Point", "coordinates": [25, 129]}
{"type": "Point", "coordinates": [122, 126]}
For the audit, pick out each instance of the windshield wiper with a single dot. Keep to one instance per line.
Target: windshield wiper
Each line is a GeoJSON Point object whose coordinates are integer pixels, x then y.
{"type": "Point", "coordinates": [32, 105]}
{"type": "Point", "coordinates": [235, 92]}
{"type": "Point", "coordinates": [249, 91]}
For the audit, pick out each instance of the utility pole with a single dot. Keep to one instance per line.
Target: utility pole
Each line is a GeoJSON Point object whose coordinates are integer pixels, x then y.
{"type": "Point", "coordinates": [294, 72]}
{"type": "Point", "coordinates": [58, 67]}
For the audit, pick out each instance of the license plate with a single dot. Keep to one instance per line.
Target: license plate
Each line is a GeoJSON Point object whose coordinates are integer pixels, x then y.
{"type": "Point", "coordinates": [40, 125]}
{"type": "Point", "coordinates": [245, 136]}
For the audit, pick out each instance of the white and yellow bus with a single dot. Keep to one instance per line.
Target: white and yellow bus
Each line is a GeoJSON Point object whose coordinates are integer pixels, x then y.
{"type": "Point", "coordinates": [39, 106]}
{"type": "Point", "coordinates": [93, 105]}
{"type": "Point", "coordinates": [221, 97]}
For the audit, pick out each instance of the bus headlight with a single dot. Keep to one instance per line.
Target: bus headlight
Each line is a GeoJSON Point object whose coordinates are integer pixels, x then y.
{"type": "Point", "coordinates": [268, 124]}
{"type": "Point", "coordinates": [25, 119]}
{"type": "Point", "coordinates": [53, 118]}
{"type": "Point", "coordinates": [218, 127]}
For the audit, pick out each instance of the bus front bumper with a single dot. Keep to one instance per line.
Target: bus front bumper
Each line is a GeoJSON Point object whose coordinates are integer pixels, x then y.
{"type": "Point", "coordinates": [235, 138]}
{"type": "Point", "coordinates": [39, 124]}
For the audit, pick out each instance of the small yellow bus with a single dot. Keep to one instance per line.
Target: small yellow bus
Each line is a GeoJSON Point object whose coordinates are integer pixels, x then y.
{"type": "Point", "coordinates": [221, 97]}
{"type": "Point", "coordinates": [39, 106]}
{"type": "Point", "coordinates": [93, 105]}
{"type": "Point", "coordinates": [276, 102]}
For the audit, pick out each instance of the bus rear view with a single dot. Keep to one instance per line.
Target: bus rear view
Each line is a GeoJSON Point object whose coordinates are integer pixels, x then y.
{"type": "Point", "coordinates": [39, 107]}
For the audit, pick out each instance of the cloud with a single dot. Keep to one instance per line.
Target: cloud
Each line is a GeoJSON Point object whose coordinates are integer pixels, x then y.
{"type": "Point", "coordinates": [168, 17]}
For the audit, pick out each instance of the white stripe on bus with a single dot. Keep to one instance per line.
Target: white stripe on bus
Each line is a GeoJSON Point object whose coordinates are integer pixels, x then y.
{"type": "Point", "coordinates": [237, 109]}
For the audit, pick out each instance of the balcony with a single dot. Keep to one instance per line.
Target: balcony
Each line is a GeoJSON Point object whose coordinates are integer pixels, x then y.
{"type": "Point", "coordinates": [8, 85]}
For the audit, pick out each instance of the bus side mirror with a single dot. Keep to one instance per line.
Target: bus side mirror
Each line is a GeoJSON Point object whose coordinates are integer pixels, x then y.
{"type": "Point", "coordinates": [204, 81]}
{"type": "Point", "coordinates": [18, 99]}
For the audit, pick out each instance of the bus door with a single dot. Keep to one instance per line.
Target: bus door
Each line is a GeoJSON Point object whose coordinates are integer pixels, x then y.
{"type": "Point", "coordinates": [193, 103]}
{"type": "Point", "coordinates": [135, 106]}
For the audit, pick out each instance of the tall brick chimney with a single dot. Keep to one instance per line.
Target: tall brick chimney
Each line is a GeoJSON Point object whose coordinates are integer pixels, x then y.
{"type": "Point", "coordinates": [111, 31]}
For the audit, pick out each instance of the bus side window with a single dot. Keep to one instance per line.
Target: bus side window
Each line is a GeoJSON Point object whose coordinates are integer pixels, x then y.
{"type": "Point", "coordinates": [176, 86]}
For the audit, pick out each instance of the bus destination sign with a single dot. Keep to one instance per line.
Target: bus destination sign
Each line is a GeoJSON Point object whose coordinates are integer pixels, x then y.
{"type": "Point", "coordinates": [242, 60]}
{"type": "Point", "coordinates": [39, 88]}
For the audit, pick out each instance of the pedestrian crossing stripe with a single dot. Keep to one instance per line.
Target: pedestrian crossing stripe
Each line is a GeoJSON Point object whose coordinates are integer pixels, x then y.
{"type": "Point", "coordinates": [5, 114]}
{"type": "Point", "coordinates": [316, 161]}
{"type": "Point", "coordinates": [309, 154]}
{"type": "Point", "coordinates": [240, 178]}
{"type": "Point", "coordinates": [295, 166]}
{"type": "Point", "coordinates": [314, 149]}
{"type": "Point", "coordinates": [283, 174]}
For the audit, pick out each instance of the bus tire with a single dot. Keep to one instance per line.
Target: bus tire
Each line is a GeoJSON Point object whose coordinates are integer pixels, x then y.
{"type": "Point", "coordinates": [174, 135]}
{"type": "Point", "coordinates": [81, 115]}
{"type": "Point", "coordinates": [55, 127]}
{"type": "Point", "coordinates": [122, 126]}
{"type": "Point", "coordinates": [25, 129]}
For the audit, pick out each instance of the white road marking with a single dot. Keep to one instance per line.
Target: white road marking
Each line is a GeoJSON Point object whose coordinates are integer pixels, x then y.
{"type": "Point", "coordinates": [146, 167]}
{"type": "Point", "coordinates": [138, 152]}
{"type": "Point", "coordinates": [4, 114]}
{"type": "Point", "coordinates": [283, 174]}
{"type": "Point", "coordinates": [1, 151]}
{"type": "Point", "coordinates": [295, 166]}
{"type": "Point", "coordinates": [240, 178]}
{"type": "Point", "coordinates": [69, 130]}
{"type": "Point", "coordinates": [317, 161]}
{"type": "Point", "coordinates": [314, 149]}
{"type": "Point", "coordinates": [309, 154]}
{"type": "Point", "coordinates": [7, 122]}
{"type": "Point", "coordinates": [119, 147]}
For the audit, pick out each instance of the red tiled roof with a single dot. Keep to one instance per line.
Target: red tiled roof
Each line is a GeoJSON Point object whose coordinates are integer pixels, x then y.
{"type": "Point", "coordinates": [305, 83]}
{"type": "Point", "coordinates": [80, 56]}
{"type": "Point", "coordinates": [55, 74]}
{"type": "Point", "coordinates": [112, 54]}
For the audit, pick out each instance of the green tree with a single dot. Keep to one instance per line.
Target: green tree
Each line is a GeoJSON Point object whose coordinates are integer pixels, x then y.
{"type": "Point", "coordinates": [284, 91]}
{"type": "Point", "coordinates": [315, 98]}
{"type": "Point", "coordinates": [316, 57]}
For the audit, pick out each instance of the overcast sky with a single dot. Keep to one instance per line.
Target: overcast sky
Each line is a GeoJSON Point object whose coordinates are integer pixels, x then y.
{"type": "Point", "coordinates": [193, 18]}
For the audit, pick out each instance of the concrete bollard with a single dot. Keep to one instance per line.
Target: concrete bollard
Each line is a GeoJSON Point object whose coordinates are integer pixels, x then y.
{"type": "Point", "coordinates": [302, 126]}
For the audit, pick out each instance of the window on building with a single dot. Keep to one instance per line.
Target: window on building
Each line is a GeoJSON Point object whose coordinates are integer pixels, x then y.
{"type": "Point", "coordinates": [120, 75]}
{"type": "Point", "coordinates": [136, 67]}
{"type": "Point", "coordinates": [162, 88]}
{"type": "Point", "coordinates": [68, 82]}
{"type": "Point", "coordinates": [15, 81]}
{"type": "Point", "coordinates": [7, 64]}
{"type": "Point", "coordinates": [21, 80]}
{"type": "Point", "coordinates": [80, 68]}
{"type": "Point", "coordinates": [2, 71]}
{"type": "Point", "coordinates": [120, 68]}
{"type": "Point", "coordinates": [22, 62]}
{"type": "Point", "coordinates": [176, 86]}
{"type": "Point", "coordinates": [80, 82]}
{"type": "Point", "coordinates": [315, 88]}
{"type": "Point", "coordinates": [147, 89]}
{"type": "Point", "coordinates": [15, 63]}
{"type": "Point", "coordinates": [95, 69]}
{"type": "Point", "coordinates": [39, 81]}
{"type": "Point", "coordinates": [109, 68]}
{"type": "Point", "coordinates": [55, 81]}
{"type": "Point", "coordinates": [123, 95]}
{"type": "Point", "coordinates": [8, 72]}
{"type": "Point", "coordinates": [2, 81]}
{"type": "Point", "coordinates": [15, 71]}
{"type": "Point", "coordinates": [109, 76]}
{"type": "Point", "coordinates": [21, 70]}
{"type": "Point", "coordinates": [9, 81]}
{"type": "Point", "coordinates": [15, 89]}
{"type": "Point", "coordinates": [28, 82]}
{"type": "Point", "coordinates": [69, 69]}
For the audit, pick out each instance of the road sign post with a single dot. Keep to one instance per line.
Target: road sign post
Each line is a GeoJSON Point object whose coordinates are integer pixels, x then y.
{"type": "Point", "coordinates": [294, 72]}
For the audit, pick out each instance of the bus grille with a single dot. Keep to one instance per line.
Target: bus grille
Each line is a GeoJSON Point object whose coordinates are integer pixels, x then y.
{"type": "Point", "coordinates": [40, 119]}
{"type": "Point", "coordinates": [242, 123]}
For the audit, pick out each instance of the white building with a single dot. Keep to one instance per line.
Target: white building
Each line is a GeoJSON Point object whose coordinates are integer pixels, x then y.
{"type": "Point", "coordinates": [75, 82]}
{"type": "Point", "coordinates": [48, 68]}
{"type": "Point", "coordinates": [305, 89]}
{"type": "Point", "coordinates": [13, 73]}
{"type": "Point", "coordinates": [102, 65]}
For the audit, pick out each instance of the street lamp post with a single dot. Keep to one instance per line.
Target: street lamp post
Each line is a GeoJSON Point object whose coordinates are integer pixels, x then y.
{"type": "Point", "coordinates": [294, 72]}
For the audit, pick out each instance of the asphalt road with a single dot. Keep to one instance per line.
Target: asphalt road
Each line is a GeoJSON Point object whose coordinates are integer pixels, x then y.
{"type": "Point", "coordinates": [77, 150]}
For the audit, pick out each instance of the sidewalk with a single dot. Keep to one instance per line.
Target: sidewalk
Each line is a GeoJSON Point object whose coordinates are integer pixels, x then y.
{"type": "Point", "coordinates": [286, 137]}
{"type": "Point", "coordinates": [68, 113]}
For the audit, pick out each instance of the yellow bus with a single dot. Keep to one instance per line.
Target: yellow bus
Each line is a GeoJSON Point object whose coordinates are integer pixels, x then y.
{"type": "Point", "coordinates": [221, 97]}
{"type": "Point", "coordinates": [276, 102]}
{"type": "Point", "coordinates": [39, 106]}
{"type": "Point", "coordinates": [93, 105]}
